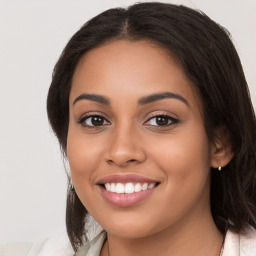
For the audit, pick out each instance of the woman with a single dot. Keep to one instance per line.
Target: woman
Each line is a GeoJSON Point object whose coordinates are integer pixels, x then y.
{"type": "Point", "coordinates": [151, 108]}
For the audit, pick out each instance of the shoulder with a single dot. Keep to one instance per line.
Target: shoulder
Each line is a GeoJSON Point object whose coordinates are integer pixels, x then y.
{"type": "Point", "coordinates": [15, 249]}
{"type": "Point", "coordinates": [57, 245]}
{"type": "Point", "coordinates": [248, 242]}
{"type": "Point", "coordinates": [242, 244]}
{"type": "Point", "coordinates": [94, 246]}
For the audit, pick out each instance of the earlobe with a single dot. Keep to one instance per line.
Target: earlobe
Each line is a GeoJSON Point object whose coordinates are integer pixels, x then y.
{"type": "Point", "coordinates": [221, 157]}
{"type": "Point", "coordinates": [221, 151]}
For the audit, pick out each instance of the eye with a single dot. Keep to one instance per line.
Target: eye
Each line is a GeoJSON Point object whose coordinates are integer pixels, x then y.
{"type": "Point", "coordinates": [93, 121]}
{"type": "Point", "coordinates": [161, 120]}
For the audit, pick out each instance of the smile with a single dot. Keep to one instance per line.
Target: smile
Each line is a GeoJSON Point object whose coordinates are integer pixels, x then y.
{"type": "Point", "coordinates": [126, 190]}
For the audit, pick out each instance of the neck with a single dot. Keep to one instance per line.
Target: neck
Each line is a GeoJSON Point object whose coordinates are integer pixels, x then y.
{"type": "Point", "coordinates": [195, 237]}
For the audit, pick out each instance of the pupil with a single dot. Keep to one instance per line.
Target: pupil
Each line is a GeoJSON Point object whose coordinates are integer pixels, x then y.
{"type": "Point", "coordinates": [162, 120]}
{"type": "Point", "coordinates": [97, 120]}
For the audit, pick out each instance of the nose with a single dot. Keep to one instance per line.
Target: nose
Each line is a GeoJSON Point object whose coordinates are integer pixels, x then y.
{"type": "Point", "coordinates": [125, 147]}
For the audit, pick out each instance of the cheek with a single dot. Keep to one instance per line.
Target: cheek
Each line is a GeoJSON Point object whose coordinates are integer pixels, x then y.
{"type": "Point", "coordinates": [185, 162]}
{"type": "Point", "coordinates": [189, 148]}
{"type": "Point", "coordinates": [83, 156]}
{"type": "Point", "coordinates": [184, 159]}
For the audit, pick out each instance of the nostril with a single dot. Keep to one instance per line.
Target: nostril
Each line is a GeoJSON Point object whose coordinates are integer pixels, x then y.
{"type": "Point", "coordinates": [120, 162]}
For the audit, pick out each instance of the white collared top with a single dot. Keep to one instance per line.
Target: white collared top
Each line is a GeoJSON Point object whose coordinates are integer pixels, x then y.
{"type": "Point", "coordinates": [235, 245]}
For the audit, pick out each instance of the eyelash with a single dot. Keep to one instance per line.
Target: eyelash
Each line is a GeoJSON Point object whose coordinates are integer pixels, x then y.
{"type": "Point", "coordinates": [171, 120]}
{"type": "Point", "coordinates": [87, 117]}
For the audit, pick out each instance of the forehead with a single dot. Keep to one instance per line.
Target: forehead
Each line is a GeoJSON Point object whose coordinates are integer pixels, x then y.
{"type": "Point", "coordinates": [131, 67]}
{"type": "Point", "coordinates": [125, 53]}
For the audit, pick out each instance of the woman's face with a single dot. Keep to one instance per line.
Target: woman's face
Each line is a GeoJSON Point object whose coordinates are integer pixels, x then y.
{"type": "Point", "coordinates": [137, 147]}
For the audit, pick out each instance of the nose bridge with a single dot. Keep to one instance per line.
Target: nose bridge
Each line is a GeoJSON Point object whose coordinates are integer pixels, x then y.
{"type": "Point", "coordinates": [124, 145]}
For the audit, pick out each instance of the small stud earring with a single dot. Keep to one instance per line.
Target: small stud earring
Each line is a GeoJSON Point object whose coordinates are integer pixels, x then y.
{"type": "Point", "coordinates": [72, 188]}
{"type": "Point", "coordinates": [219, 168]}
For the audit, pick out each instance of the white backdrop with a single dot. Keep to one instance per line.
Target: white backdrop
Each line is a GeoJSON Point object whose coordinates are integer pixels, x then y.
{"type": "Point", "coordinates": [32, 36]}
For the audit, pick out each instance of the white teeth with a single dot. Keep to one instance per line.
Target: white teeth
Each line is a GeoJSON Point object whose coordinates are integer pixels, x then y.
{"type": "Point", "coordinates": [113, 187]}
{"type": "Point", "coordinates": [151, 185]}
{"type": "Point", "coordinates": [119, 188]}
{"type": "Point", "coordinates": [144, 186]}
{"type": "Point", "coordinates": [137, 187]}
{"type": "Point", "coordinates": [108, 186]}
{"type": "Point", "coordinates": [128, 188]}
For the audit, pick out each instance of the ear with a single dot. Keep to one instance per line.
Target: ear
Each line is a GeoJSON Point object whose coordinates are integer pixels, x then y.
{"type": "Point", "coordinates": [221, 149]}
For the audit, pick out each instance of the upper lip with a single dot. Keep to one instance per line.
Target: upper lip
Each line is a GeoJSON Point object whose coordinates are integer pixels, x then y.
{"type": "Point", "coordinates": [124, 178]}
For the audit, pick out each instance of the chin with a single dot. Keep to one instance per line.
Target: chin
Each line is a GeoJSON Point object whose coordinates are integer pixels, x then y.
{"type": "Point", "coordinates": [131, 227]}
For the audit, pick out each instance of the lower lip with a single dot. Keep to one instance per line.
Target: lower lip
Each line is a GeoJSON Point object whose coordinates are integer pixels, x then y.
{"type": "Point", "coordinates": [126, 200]}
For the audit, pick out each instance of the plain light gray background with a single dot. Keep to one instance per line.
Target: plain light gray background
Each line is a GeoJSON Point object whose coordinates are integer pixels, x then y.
{"type": "Point", "coordinates": [32, 36]}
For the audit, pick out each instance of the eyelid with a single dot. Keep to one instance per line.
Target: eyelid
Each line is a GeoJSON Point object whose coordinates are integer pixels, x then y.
{"type": "Point", "coordinates": [91, 114]}
{"type": "Point", "coordinates": [161, 113]}
{"type": "Point", "coordinates": [174, 120]}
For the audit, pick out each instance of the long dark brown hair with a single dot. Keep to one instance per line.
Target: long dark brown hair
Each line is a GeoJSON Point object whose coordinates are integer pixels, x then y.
{"type": "Point", "coordinates": [208, 57]}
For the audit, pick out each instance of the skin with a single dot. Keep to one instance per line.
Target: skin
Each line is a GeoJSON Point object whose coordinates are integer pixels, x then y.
{"type": "Point", "coordinates": [175, 219]}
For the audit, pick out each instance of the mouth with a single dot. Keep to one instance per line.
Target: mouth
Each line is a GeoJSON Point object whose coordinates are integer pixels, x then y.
{"type": "Point", "coordinates": [126, 190]}
{"type": "Point", "coordinates": [129, 187]}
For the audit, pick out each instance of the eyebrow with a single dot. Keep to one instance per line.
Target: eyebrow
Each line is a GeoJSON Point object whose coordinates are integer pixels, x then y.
{"type": "Point", "coordinates": [160, 96]}
{"type": "Point", "coordinates": [142, 101]}
{"type": "Point", "coordinates": [92, 97]}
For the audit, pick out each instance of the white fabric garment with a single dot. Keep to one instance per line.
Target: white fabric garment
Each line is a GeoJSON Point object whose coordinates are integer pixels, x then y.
{"type": "Point", "coordinates": [235, 245]}
{"type": "Point", "coordinates": [57, 245]}
{"type": "Point", "coordinates": [15, 249]}
{"type": "Point", "coordinates": [240, 244]}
